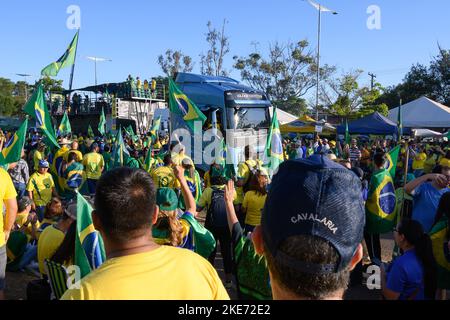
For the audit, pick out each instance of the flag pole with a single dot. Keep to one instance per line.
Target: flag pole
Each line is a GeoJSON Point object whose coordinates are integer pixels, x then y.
{"type": "Point", "coordinates": [405, 179]}
{"type": "Point", "coordinates": [73, 68]}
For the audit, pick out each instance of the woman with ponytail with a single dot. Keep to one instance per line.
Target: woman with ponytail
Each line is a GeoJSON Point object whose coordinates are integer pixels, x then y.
{"type": "Point", "coordinates": [412, 276]}
{"type": "Point", "coordinates": [172, 228]}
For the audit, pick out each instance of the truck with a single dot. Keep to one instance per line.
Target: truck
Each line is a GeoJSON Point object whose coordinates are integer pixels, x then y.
{"type": "Point", "coordinates": [241, 113]}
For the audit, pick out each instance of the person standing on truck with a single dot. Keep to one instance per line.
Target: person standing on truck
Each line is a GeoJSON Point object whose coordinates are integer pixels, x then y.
{"type": "Point", "coordinates": [246, 169]}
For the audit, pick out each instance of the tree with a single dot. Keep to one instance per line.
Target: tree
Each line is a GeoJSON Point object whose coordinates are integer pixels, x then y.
{"type": "Point", "coordinates": [219, 46]}
{"type": "Point", "coordinates": [432, 81]}
{"type": "Point", "coordinates": [6, 87]}
{"type": "Point", "coordinates": [50, 84]}
{"type": "Point", "coordinates": [345, 97]}
{"type": "Point", "coordinates": [286, 75]}
{"type": "Point", "coordinates": [10, 104]}
{"type": "Point", "coordinates": [173, 62]}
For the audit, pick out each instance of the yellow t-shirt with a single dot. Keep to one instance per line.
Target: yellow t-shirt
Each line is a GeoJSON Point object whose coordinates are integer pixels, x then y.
{"type": "Point", "coordinates": [93, 165]}
{"type": "Point", "coordinates": [49, 241]}
{"type": "Point", "coordinates": [37, 156]}
{"type": "Point", "coordinates": [45, 184]}
{"type": "Point", "coordinates": [7, 192]}
{"type": "Point", "coordinates": [419, 161]}
{"type": "Point", "coordinates": [21, 218]}
{"type": "Point", "coordinates": [165, 273]}
{"type": "Point", "coordinates": [205, 200]}
{"type": "Point", "coordinates": [77, 152]}
{"type": "Point", "coordinates": [244, 174]}
{"type": "Point", "coordinates": [163, 177]}
{"type": "Point", "coordinates": [430, 163]}
{"type": "Point", "coordinates": [207, 179]}
{"type": "Point", "coordinates": [253, 204]}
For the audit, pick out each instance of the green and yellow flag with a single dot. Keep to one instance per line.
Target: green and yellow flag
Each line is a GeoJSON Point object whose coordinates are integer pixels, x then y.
{"type": "Point", "coordinates": [439, 238]}
{"type": "Point", "coordinates": [90, 132]}
{"type": "Point", "coordinates": [120, 153]}
{"type": "Point", "coordinates": [102, 123]}
{"type": "Point", "coordinates": [64, 128]}
{"type": "Point", "coordinates": [381, 216]}
{"type": "Point", "coordinates": [89, 247]}
{"type": "Point", "coordinates": [12, 151]}
{"type": "Point", "coordinates": [37, 108]}
{"type": "Point", "coordinates": [274, 145]}
{"type": "Point", "coordinates": [66, 60]}
{"type": "Point", "coordinates": [181, 105]}
{"type": "Point", "coordinates": [391, 161]}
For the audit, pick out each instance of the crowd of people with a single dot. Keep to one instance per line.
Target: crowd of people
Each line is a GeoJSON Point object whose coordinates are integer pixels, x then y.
{"type": "Point", "coordinates": [296, 235]}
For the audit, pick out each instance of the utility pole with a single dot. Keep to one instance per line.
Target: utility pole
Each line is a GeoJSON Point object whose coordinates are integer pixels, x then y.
{"type": "Point", "coordinates": [372, 80]}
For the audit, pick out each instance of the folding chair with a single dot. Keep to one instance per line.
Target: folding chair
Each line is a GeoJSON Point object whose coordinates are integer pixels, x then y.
{"type": "Point", "coordinates": [57, 276]}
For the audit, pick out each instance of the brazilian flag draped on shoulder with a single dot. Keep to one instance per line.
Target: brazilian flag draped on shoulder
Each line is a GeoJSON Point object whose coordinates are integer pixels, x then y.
{"type": "Point", "coordinates": [65, 127]}
{"type": "Point", "coordinates": [37, 108]}
{"type": "Point", "coordinates": [181, 105]}
{"type": "Point", "coordinates": [381, 215]}
{"type": "Point", "coordinates": [89, 247]}
{"type": "Point", "coordinates": [391, 161]}
{"type": "Point", "coordinates": [66, 60]}
{"type": "Point", "coordinates": [12, 151]}
{"type": "Point", "coordinates": [274, 145]}
{"type": "Point", "coordinates": [440, 235]}
{"type": "Point", "coordinates": [120, 153]}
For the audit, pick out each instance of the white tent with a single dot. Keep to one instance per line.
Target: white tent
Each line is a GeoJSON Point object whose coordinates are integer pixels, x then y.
{"type": "Point", "coordinates": [426, 133]}
{"type": "Point", "coordinates": [423, 113]}
{"type": "Point", "coordinates": [285, 117]}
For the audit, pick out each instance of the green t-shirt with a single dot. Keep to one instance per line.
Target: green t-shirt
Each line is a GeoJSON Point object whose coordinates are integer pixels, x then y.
{"type": "Point", "coordinates": [252, 274]}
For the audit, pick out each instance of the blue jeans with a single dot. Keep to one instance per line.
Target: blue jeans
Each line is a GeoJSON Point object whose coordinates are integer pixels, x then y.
{"type": "Point", "coordinates": [92, 185]}
{"type": "Point", "coordinates": [29, 256]}
{"type": "Point", "coordinates": [40, 211]}
{"type": "Point", "coordinates": [21, 189]}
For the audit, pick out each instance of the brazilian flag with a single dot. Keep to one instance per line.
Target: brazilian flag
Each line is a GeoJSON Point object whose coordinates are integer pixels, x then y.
{"type": "Point", "coordinates": [391, 161]}
{"type": "Point", "coordinates": [102, 123]}
{"type": "Point", "coordinates": [12, 152]}
{"type": "Point", "coordinates": [64, 127]}
{"type": "Point", "coordinates": [181, 105]}
{"type": "Point", "coordinates": [120, 153]}
{"type": "Point", "coordinates": [440, 237]}
{"type": "Point", "coordinates": [90, 132]}
{"type": "Point", "coordinates": [89, 247]}
{"type": "Point", "coordinates": [381, 215]}
{"type": "Point", "coordinates": [37, 108]}
{"type": "Point", "coordinates": [66, 60]}
{"type": "Point", "coordinates": [274, 145]}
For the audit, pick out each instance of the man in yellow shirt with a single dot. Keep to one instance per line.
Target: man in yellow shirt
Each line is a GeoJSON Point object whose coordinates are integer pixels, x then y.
{"type": "Point", "coordinates": [52, 237]}
{"type": "Point", "coordinates": [41, 188]}
{"type": "Point", "coordinates": [38, 155]}
{"type": "Point", "coordinates": [93, 165]}
{"type": "Point", "coordinates": [75, 149]}
{"type": "Point", "coordinates": [419, 162]}
{"type": "Point", "coordinates": [8, 199]}
{"type": "Point", "coordinates": [163, 177]}
{"type": "Point", "coordinates": [136, 267]}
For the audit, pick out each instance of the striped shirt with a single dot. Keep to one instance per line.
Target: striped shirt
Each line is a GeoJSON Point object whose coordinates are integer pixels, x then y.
{"type": "Point", "coordinates": [355, 154]}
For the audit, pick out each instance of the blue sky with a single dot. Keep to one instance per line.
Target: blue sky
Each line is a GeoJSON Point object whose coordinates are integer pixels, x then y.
{"type": "Point", "coordinates": [133, 33]}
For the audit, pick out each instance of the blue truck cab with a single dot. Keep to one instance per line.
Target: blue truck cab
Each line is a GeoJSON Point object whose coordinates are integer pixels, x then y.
{"type": "Point", "coordinates": [241, 113]}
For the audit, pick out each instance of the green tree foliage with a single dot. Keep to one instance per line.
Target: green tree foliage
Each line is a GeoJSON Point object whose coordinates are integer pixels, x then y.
{"type": "Point", "coordinates": [219, 46]}
{"type": "Point", "coordinates": [432, 81]}
{"type": "Point", "coordinates": [286, 75]}
{"type": "Point", "coordinates": [345, 97]}
{"type": "Point", "coordinates": [172, 62]}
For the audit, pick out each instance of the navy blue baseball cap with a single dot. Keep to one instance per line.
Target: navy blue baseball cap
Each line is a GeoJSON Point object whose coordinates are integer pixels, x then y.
{"type": "Point", "coordinates": [314, 197]}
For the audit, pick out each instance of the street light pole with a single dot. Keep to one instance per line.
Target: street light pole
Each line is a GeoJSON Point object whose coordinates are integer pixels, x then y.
{"type": "Point", "coordinates": [25, 76]}
{"type": "Point", "coordinates": [318, 62]}
{"type": "Point", "coordinates": [97, 59]}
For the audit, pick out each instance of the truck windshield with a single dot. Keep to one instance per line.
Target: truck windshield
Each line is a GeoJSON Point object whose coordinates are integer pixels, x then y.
{"type": "Point", "coordinates": [251, 118]}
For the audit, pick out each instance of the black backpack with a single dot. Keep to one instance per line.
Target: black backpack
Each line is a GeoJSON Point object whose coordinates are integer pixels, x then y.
{"type": "Point", "coordinates": [252, 171]}
{"type": "Point", "coordinates": [217, 212]}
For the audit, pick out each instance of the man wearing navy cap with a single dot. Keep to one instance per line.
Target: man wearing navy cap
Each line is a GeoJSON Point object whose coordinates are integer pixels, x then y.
{"type": "Point", "coordinates": [311, 230]}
